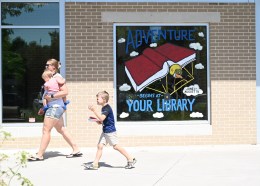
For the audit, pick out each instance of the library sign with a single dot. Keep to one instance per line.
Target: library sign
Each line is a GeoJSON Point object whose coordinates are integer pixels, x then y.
{"type": "Point", "coordinates": [161, 72]}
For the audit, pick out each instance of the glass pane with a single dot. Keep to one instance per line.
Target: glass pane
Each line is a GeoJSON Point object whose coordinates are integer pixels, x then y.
{"type": "Point", "coordinates": [25, 52]}
{"type": "Point", "coordinates": [30, 14]}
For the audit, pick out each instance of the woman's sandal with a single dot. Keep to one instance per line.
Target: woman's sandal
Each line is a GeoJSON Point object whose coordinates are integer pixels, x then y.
{"type": "Point", "coordinates": [33, 158]}
{"type": "Point", "coordinates": [78, 154]}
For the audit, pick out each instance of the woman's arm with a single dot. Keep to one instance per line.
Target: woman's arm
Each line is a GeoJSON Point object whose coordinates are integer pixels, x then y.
{"type": "Point", "coordinates": [62, 93]}
{"type": "Point", "coordinates": [60, 80]}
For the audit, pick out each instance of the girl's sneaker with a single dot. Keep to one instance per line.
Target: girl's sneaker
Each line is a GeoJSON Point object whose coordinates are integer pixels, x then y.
{"type": "Point", "coordinates": [45, 108]}
{"type": "Point", "coordinates": [65, 104]}
{"type": "Point", "coordinates": [130, 164]}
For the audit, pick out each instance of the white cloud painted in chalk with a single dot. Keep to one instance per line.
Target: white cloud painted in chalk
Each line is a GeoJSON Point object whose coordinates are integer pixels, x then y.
{"type": "Point", "coordinates": [196, 46]}
{"type": "Point", "coordinates": [201, 34]}
{"type": "Point", "coordinates": [153, 45]}
{"type": "Point", "coordinates": [196, 115]}
{"type": "Point", "coordinates": [124, 115]}
{"type": "Point", "coordinates": [125, 87]}
{"type": "Point", "coordinates": [121, 40]}
{"type": "Point", "coordinates": [199, 66]}
{"type": "Point", "coordinates": [192, 90]}
{"type": "Point", "coordinates": [134, 53]}
{"type": "Point", "coordinates": [158, 115]}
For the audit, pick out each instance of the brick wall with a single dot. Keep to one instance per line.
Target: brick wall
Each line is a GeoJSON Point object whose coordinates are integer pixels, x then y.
{"type": "Point", "coordinates": [89, 59]}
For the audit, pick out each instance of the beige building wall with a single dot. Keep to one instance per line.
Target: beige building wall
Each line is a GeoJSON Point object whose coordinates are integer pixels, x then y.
{"type": "Point", "coordinates": [89, 69]}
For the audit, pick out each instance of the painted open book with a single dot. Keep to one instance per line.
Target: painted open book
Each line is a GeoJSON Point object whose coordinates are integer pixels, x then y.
{"type": "Point", "coordinates": [154, 64]}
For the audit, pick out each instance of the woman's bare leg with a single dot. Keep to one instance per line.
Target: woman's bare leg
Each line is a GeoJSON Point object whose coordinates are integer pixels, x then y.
{"type": "Point", "coordinates": [66, 135]}
{"type": "Point", "coordinates": [46, 135]}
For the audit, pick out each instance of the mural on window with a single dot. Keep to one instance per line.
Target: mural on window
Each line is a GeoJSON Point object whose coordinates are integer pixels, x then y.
{"type": "Point", "coordinates": [24, 55]}
{"type": "Point", "coordinates": [161, 72]}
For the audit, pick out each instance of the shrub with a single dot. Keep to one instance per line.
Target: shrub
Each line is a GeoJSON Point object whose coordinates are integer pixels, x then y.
{"type": "Point", "coordinates": [7, 172]}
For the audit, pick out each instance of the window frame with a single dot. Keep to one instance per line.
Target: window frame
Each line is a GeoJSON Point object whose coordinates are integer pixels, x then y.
{"type": "Point", "coordinates": [61, 28]}
{"type": "Point", "coordinates": [166, 123]}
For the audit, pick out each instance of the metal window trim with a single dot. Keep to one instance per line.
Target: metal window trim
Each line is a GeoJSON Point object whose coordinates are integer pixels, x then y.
{"type": "Point", "coordinates": [188, 122]}
{"type": "Point", "coordinates": [61, 28]}
{"type": "Point", "coordinates": [168, 1]}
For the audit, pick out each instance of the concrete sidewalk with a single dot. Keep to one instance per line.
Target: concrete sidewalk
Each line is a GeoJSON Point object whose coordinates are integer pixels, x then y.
{"type": "Point", "coordinates": [236, 165]}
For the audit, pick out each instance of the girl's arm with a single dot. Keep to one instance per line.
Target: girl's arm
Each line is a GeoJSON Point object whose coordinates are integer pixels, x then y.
{"type": "Point", "coordinates": [46, 88]}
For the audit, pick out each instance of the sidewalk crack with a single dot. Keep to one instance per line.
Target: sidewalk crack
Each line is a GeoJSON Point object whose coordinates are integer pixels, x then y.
{"type": "Point", "coordinates": [168, 170]}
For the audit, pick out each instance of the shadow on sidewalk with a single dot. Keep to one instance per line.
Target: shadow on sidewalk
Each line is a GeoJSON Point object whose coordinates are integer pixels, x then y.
{"type": "Point", "coordinates": [101, 164]}
{"type": "Point", "coordinates": [52, 154]}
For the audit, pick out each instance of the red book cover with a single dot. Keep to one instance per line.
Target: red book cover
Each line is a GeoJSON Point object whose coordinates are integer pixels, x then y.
{"type": "Point", "coordinates": [177, 54]}
{"type": "Point", "coordinates": [154, 64]}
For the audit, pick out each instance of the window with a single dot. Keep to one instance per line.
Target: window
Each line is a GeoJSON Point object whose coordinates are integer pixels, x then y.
{"type": "Point", "coordinates": [162, 73]}
{"type": "Point", "coordinates": [29, 37]}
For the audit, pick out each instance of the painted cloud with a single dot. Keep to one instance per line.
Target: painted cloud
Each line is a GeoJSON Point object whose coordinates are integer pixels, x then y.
{"type": "Point", "coordinates": [196, 46]}
{"type": "Point", "coordinates": [192, 90]}
{"type": "Point", "coordinates": [134, 53]}
{"type": "Point", "coordinates": [121, 40]}
{"type": "Point", "coordinates": [124, 115]}
{"type": "Point", "coordinates": [153, 45]}
{"type": "Point", "coordinates": [196, 115]}
{"type": "Point", "coordinates": [201, 34]}
{"type": "Point", "coordinates": [158, 115]}
{"type": "Point", "coordinates": [199, 66]}
{"type": "Point", "coordinates": [124, 87]}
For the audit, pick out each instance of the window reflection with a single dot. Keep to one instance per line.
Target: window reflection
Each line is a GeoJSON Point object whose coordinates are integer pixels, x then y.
{"type": "Point", "coordinates": [30, 14]}
{"type": "Point", "coordinates": [23, 60]}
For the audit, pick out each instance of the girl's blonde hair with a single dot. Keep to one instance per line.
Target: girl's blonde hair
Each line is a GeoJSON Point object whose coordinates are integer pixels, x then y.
{"type": "Point", "coordinates": [47, 73]}
{"type": "Point", "coordinates": [104, 94]}
{"type": "Point", "coordinates": [55, 63]}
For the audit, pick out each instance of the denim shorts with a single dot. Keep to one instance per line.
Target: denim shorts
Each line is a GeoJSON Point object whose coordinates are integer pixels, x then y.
{"type": "Point", "coordinates": [54, 112]}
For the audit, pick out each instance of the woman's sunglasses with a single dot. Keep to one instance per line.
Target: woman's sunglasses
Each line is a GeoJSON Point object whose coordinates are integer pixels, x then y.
{"type": "Point", "coordinates": [47, 65]}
